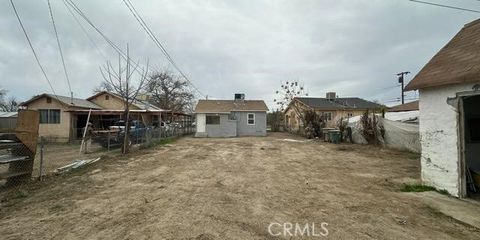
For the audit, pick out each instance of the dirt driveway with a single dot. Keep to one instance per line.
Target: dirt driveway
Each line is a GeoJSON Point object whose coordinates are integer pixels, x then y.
{"type": "Point", "coordinates": [232, 189]}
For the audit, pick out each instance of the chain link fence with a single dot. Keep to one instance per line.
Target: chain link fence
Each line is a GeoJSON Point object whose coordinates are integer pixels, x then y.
{"type": "Point", "coordinates": [16, 160]}
{"type": "Point", "coordinates": [17, 165]}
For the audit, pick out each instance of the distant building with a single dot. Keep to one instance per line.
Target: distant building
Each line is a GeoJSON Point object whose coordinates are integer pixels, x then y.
{"type": "Point", "coordinates": [449, 87]}
{"type": "Point", "coordinates": [231, 118]}
{"type": "Point", "coordinates": [408, 112]}
{"type": "Point", "coordinates": [407, 107]}
{"type": "Point", "coordinates": [8, 120]}
{"type": "Point", "coordinates": [331, 107]}
{"type": "Point", "coordinates": [62, 118]}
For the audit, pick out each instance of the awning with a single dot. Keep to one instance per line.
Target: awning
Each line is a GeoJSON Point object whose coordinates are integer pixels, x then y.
{"type": "Point", "coordinates": [112, 111]}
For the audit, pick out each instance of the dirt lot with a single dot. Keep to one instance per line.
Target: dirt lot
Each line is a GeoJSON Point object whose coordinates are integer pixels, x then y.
{"type": "Point", "coordinates": [231, 188]}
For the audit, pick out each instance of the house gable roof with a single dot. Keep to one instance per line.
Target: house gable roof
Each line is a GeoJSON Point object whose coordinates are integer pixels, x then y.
{"type": "Point", "coordinates": [457, 62]}
{"type": "Point", "coordinates": [226, 106]}
{"type": "Point", "coordinates": [142, 105]}
{"type": "Point", "coordinates": [339, 103]}
{"type": "Point", "coordinates": [411, 106]}
{"type": "Point", "coordinates": [68, 101]}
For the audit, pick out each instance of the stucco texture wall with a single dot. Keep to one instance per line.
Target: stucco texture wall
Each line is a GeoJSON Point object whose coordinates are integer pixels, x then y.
{"type": "Point", "coordinates": [226, 128]}
{"type": "Point", "coordinates": [294, 121]}
{"type": "Point", "coordinates": [112, 103]}
{"type": "Point", "coordinates": [439, 138]}
{"type": "Point", "coordinates": [258, 129]}
{"type": "Point", "coordinates": [59, 132]}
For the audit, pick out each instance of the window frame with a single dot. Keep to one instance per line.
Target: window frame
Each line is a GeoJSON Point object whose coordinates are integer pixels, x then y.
{"type": "Point", "coordinates": [214, 122]}
{"type": "Point", "coordinates": [330, 116]}
{"type": "Point", "coordinates": [248, 119]}
{"type": "Point", "coordinates": [48, 118]}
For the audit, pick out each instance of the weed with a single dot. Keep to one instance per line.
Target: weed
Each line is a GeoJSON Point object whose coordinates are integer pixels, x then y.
{"type": "Point", "coordinates": [416, 188]}
{"type": "Point", "coordinates": [422, 188]}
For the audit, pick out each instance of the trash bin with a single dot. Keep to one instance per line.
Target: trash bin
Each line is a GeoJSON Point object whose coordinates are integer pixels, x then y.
{"type": "Point", "coordinates": [334, 136]}
{"type": "Point", "coordinates": [325, 132]}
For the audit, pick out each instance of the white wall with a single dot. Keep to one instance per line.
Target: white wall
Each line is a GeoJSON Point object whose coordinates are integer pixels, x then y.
{"type": "Point", "coordinates": [438, 135]}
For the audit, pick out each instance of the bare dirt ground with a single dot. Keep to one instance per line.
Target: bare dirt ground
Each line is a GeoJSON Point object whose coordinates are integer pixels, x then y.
{"type": "Point", "coordinates": [230, 189]}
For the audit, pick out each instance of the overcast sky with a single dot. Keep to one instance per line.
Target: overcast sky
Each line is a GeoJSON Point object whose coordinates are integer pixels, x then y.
{"type": "Point", "coordinates": [353, 47]}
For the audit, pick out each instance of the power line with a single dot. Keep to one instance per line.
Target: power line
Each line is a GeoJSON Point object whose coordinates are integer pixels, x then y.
{"type": "Point", "coordinates": [59, 46]}
{"type": "Point", "coordinates": [80, 12]}
{"type": "Point", "coordinates": [445, 6]}
{"type": "Point", "coordinates": [85, 31]}
{"type": "Point", "coordinates": [33, 49]}
{"type": "Point", "coordinates": [111, 43]}
{"type": "Point", "coordinates": [152, 36]}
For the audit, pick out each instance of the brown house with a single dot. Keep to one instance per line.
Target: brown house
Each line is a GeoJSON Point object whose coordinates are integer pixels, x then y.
{"type": "Point", "coordinates": [330, 108]}
{"type": "Point", "coordinates": [406, 107]}
{"type": "Point", "coordinates": [62, 118]}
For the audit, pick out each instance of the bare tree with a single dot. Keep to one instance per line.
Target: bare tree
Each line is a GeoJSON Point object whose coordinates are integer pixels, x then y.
{"type": "Point", "coordinates": [119, 81]}
{"type": "Point", "coordinates": [104, 86]}
{"type": "Point", "coordinates": [170, 92]}
{"type": "Point", "coordinates": [286, 98]}
{"type": "Point", "coordinates": [10, 105]}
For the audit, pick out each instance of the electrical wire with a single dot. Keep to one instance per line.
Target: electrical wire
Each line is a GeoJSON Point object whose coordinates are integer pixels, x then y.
{"type": "Point", "coordinates": [33, 49]}
{"type": "Point", "coordinates": [152, 36]}
{"type": "Point", "coordinates": [85, 32]}
{"type": "Point", "coordinates": [445, 6]}
{"type": "Point", "coordinates": [70, 3]}
{"type": "Point", "coordinates": [59, 46]}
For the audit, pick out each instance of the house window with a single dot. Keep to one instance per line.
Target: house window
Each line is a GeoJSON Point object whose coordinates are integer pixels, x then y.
{"type": "Point", "coordinates": [213, 120]}
{"type": "Point", "coordinates": [107, 97]}
{"type": "Point", "coordinates": [49, 116]}
{"type": "Point", "coordinates": [251, 119]}
{"type": "Point", "coordinates": [349, 115]}
{"type": "Point", "coordinates": [49, 100]}
{"type": "Point", "coordinates": [327, 116]}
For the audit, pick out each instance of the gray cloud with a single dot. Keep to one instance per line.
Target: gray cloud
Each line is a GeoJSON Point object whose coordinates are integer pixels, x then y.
{"type": "Point", "coordinates": [351, 47]}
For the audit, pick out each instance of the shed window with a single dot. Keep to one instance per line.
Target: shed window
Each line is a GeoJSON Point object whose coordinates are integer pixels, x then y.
{"type": "Point", "coordinates": [49, 116]}
{"type": "Point", "coordinates": [251, 119]}
{"type": "Point", "coordinates": [327, 116]}
{"type": "Point", "coordinates": [213, 120]}
{"type": "Point", "coordinates": [107, 97]}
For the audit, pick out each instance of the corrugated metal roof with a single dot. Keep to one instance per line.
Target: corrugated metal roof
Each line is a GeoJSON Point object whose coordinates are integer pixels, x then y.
{"type": "Point", "coordinates": [223, 106]}
{"type": "Point", "coordinates": [8, 114]}
{"type": "Point", "coordinates": [457, 62]}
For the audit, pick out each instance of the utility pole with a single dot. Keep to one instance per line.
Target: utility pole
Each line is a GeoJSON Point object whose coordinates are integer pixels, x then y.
{"type": "Point", "coordinates": [400, 80]}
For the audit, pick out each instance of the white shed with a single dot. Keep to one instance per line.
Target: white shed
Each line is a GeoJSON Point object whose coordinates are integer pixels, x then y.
{"type": "Point", "coordinates": [450, 112]}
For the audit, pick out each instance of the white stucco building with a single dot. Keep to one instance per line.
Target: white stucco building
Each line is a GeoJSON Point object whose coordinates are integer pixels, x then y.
{"type": "Point", "coordinates": [450, 112]}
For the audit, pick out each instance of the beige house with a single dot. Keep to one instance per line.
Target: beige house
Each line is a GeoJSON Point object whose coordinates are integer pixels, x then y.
{"type": "Point", "coordinates": [62, 118]}
{"type": "Point", "coordinates": [330, 108]}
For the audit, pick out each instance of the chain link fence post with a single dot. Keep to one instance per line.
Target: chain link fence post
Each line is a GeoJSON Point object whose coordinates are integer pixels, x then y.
{"type": "Point", "coordinates": [42, 149]}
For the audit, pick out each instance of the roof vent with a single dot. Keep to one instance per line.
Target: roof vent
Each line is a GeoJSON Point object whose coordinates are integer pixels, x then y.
{"type": "Point", "coordinates": [331, 95]}
{"type": "Point", "coordinates": [239, 96]}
